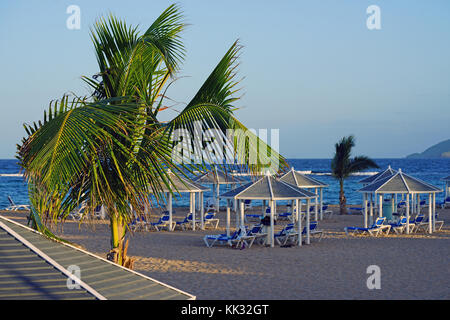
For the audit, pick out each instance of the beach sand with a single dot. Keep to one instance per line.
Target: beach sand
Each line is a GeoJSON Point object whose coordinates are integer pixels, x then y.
{"type": "Point", "coordinates": [412, 266]}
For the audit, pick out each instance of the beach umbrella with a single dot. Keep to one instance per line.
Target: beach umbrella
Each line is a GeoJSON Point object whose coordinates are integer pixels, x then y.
{"type": "Point", "coordinates": [271, 189]}
{"type": "Point", "coordinates": [182, 185]}
{"type": "Point", "coordinates": [401, 183]}
{"type": "Point", "coordinates": [302, 181]}
{"type": "Point", "coordinates": [216, 178]}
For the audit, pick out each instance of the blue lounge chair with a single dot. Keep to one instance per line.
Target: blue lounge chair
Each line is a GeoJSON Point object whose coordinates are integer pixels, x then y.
{"type": "Point", "coordinates": [356, 209]}
{"type": "Point", "coordinates": [400, 225]}
{"type": "Point", "coordinates": [138, 224]}
{"type": "Point", "coordinates": [293, 236]}
{"type": "Point", "coordinates": [284, 215]}
{"type": "Point", "coordinates": [313, 230]}
{"type": "Point", "coordinates": [209, 219]}
{"type": "Point", "coordinates": [444, 203]}
{"type": "Point", "coordinates": [417, 222]}
{"type": "Point", "coordinates": [186, 222]}
{"type": "Point", "coordinates": [401, 204]}
{"type": "Point", "coordinates": [281, 237]}
{"type": "Point", "coordinates": [374, 229]}
{"type": "Point", "coordinates": [163, 222]}
{"type": "Point", "coordinates": [253, 216]}
{"type": "Point", "coordinates": [326, 211]}
{"type": "Point", "coordinates": [254, 234]}
{"type": "Point", "coordinates": [257, 216]}
{"type": "Point", "coordinates": [439, 223]}
{"type": "Point", "coordinates": [234, 238]}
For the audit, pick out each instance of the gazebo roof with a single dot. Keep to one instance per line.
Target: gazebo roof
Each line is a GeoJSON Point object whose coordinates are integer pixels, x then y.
{"type": "Point", "coordinates": [300, 180]}
{"type": "Point", "coordinates": [446, 178]}
{"type": "Point", "coordinates": [379, 176]}
{"type": "Point", "coordinates": [180, 184]}
{"type": "Point", "coordinates": [268, 188]}
{"type": "Point", "coordinates": [400, 183]}
{"type": "Point", "coordinates": [218, 177]}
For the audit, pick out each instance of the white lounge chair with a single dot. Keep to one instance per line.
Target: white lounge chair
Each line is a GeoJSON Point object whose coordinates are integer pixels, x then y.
{"type": "Point", "coordinates": [374, 230]}
{"type": "Point", "coordinates": [209, 220]}
{"type": "Point", "coordinates": [14, 207]}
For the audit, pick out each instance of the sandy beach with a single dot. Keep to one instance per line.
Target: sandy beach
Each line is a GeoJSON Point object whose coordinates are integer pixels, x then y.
{"type": "Point", "coordinates": [412, 266]}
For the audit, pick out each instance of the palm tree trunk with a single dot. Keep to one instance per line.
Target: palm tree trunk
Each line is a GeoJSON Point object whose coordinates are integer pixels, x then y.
{"type": "Point", "coordinates": [119, 247]}
{"type": "Point", "coordinates": [117, 239]}
{"type": "Point", "coordinates": [342, 199]}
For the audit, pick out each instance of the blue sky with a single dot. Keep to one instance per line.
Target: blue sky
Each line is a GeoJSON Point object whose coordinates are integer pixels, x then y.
{"type": "Point", "coordinates": [310, 68]}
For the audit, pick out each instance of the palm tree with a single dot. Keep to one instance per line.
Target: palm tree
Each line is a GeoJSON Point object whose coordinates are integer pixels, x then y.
{"type": "Point", "coordinates": [342, 166]}
{"type": "Point", "coordinates": [110, 148]}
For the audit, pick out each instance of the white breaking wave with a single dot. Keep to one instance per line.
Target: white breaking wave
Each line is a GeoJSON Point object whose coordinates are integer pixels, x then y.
{"type": "Point", "coordinates": [310, 172]}
{"type": "Point", "coordinates": [329, 173]}
{"type": "Point", "coordinates": [11, 174]}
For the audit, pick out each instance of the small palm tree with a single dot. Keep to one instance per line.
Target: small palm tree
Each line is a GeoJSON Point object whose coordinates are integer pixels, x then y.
{"type": "Point", "coordinates": [112, 148]}
{"type": "Point", "coordinates": [342, 166]}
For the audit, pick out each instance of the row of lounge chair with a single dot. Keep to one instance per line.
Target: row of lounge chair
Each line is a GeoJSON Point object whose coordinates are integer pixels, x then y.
{"type": "Point", "coordinates": [141, 223]}
{"type": "Point", "coordinates": [245, 237]}
{"type": "Point", "coordinates": [416, 224]}
{"type": "Point", "coordinates": [288, 215]}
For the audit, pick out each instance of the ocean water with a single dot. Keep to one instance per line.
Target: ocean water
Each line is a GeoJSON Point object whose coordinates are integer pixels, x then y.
{"type": "Point", "coordinates": [429, 170]}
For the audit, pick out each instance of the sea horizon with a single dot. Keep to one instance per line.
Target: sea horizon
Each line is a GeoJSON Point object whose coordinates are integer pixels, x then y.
{"type": "Point", "coordinates": [428, 170]}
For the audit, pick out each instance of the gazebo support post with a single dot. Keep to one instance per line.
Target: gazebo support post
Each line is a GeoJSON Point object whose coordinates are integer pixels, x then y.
{"type": "Point", "coordinates": [393, 203]}
{"type": "Point", "coordinates": [321, 203]}
{"type": "Point", "coordinates": [170, 210]}
{"type": "Point", "coordinates": [380, 205]}
{"type": "Point", "coordinates": [418, 203]}
{"type": "Point", "coordinates": [228, 218]}
{"type": "Point", "coordinates": [237, 214]}
{"type": "Point", "coordinates": [242, 214]}
{"type": "Point", "coordinates": [316, 205]}
{"type": "Point", "coordinates": [434, 211]}
{"type": "Point", "coordinates": [193, 210]}
{"type": "Point", "coordinates": [202, 211]}
{"type": "Point", "coordinates": [292, 211]}
{"type": "Point", "coordinates": [430, 214]}
{"type": "Point", "coordinates": [407, 213]}
{"type": "Point", "coordinates": [217, 198]}
{"type": "Point", "coordinates": [365, 210]}
{"type": "Point", "coordinates": [299, 222]}
{"type": "Point", "coordinates": [308, 234]}
{"type": "Point", "coordinates": [272, 213]}
{"type": "Point", "coordinates": [371, 208]}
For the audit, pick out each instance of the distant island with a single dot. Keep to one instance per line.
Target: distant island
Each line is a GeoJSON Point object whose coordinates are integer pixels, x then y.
{"type": "Point", "coordinates": [440, 150]}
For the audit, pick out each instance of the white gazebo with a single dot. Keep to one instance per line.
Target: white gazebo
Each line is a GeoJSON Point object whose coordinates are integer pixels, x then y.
{"type": "Point", "coordinates": [302, 181]}
{"type": "Point", "coordinates": [270, 189]}
{"type": "Point", "coordinates": [374, 178]}
{"type": "Point", "coordinates": [181, 185]}
{"type": "Point", "coordinates": [401, 183]}
{"type": "Point", "coordinates": [217, 178]}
